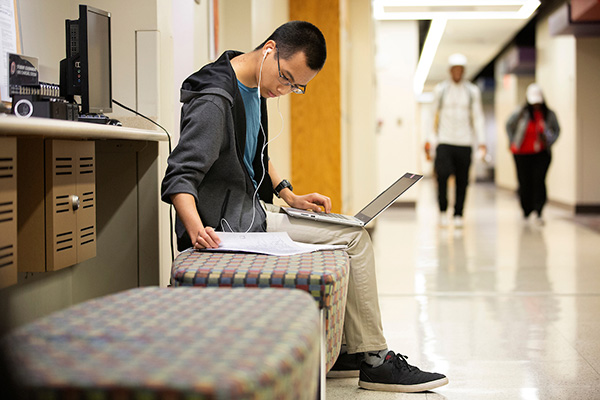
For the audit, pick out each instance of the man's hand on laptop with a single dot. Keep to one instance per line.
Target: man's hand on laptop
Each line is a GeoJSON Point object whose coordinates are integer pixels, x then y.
{"type": "Point", "coordinates": [313, 201]}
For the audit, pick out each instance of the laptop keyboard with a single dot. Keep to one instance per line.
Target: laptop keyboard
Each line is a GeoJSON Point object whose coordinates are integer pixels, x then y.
{"type": "Point", "coordinates": [334, 215]}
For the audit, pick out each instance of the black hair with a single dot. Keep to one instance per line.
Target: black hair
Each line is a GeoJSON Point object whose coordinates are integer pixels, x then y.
{"type": "Point", "coordinates": [295, 36]}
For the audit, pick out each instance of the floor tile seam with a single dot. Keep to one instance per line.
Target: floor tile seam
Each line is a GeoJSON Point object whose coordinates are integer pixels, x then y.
{"type": "Point", "coordinates": [558, 330]}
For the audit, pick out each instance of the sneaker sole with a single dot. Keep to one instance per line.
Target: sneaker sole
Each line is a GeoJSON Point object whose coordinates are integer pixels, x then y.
{"type": "Point", "coordinates": [351, 373]}
{"type": "Point", "coordinates": [387, 387]}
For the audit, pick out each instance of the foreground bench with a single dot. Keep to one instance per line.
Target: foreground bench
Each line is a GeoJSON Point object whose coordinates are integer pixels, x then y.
{"type": "Point", "coordinates": [160, 343]}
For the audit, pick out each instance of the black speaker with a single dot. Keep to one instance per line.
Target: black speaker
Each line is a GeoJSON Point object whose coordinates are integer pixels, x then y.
{"type": "Point", "coordinates": [25, 106]}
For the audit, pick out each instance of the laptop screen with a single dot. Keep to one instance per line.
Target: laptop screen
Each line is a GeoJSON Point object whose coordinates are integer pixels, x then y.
{"type": "Point", "coordinates": [385, 199]}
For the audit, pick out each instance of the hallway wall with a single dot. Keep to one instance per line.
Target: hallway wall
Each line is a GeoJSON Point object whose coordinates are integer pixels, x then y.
{"type": "Point", "coordinates": [588, 122]}
{"type": "Point", "coordinates": [567, 70]}
{"type": "Point", "coordinates": [398, 142]}
{"type": "Point", "coordinates": [557, 80]}
{"type": "Point", "coordinates": [359, 149]}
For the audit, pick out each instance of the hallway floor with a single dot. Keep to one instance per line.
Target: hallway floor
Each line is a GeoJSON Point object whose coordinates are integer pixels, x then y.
{"type": "Point", "coordinates": [506, 309]}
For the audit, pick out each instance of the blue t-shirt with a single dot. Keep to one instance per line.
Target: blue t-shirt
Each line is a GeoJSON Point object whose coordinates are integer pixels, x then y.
{"type": "Point", "coordinates": [252, 107]}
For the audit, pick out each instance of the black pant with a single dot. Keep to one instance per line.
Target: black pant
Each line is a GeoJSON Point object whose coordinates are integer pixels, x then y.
{"type": "Point", "coordinates": [531, 172]}
{"type": "Point", "coordinates": [452, 160]}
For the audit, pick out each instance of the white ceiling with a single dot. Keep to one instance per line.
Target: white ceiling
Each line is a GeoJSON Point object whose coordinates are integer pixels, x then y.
{"type": "Point", "coordinates": [479, 29]}
{"type": "Point", "coordinates": [479, 40]}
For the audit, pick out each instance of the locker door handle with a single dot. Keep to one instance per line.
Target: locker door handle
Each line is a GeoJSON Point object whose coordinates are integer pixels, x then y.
{"type": "Point", "coordinates": [75, 202]}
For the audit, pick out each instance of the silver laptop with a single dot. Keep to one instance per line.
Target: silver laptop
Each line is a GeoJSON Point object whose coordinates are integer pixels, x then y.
{"type": "Point", "coordinates": [364, 216]}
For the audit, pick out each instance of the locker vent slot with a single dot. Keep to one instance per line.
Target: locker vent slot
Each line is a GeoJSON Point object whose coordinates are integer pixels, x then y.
{"type": "Point", "coordinates": [64, 166]}
{"type": "Point", "coordinates": [7, 256]}
{"type": "Point", "coordinates": [7, 167]}
{"type": "Point", "coordinates": [7, 211]}
{"type": "Point", "coordinates": [64, 241]}
{"type": "Point", "coordinates": [86, 165]}
{"type": "Point", "coordinates": [87, 234]}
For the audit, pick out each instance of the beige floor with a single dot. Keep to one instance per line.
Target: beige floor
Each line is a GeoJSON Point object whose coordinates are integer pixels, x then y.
{"type": "Point", "coordinates": [505, 309]}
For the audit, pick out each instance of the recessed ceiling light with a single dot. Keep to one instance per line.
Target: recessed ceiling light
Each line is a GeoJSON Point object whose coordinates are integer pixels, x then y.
{"type": "Point", "coordinates": [436, 31]}
{"type": "Point", "coordinates": [453, 9]}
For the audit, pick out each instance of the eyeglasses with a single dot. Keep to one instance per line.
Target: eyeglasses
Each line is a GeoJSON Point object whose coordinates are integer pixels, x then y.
{"type": "Point", "coordinates": [298, 89]}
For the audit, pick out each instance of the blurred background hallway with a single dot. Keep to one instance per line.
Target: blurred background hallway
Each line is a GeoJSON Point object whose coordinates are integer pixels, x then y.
{"type": "Point", "coordinates": [506, 309]}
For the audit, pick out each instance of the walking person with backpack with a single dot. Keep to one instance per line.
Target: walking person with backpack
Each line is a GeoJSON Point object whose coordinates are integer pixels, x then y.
{"type": "Point", "coordinates": [458, 119]}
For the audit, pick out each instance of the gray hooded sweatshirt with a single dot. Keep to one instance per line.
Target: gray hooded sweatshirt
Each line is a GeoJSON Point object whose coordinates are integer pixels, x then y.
{"type": "Point", "coordinates": [208, 160]}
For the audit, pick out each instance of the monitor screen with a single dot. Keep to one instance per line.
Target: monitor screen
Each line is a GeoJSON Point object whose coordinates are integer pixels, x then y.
{"type": "Point", "coordinates": [95, 48]}
{"type": "Point", "coordinates": [86, 70]}
{"type": "Point", "coordinates": [99, 61]}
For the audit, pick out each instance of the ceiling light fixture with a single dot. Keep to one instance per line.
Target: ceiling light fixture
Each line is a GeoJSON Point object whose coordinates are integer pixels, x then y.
{"type": "Point", "coordinates": [453, 9]}
{"type": "Point", "coordinates": [434, 36]}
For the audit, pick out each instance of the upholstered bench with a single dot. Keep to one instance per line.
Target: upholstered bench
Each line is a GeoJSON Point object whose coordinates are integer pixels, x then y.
{"type": "Point", "coordinates": [161, 343]}
{"type": "Point", "coordinates": [323, 274]}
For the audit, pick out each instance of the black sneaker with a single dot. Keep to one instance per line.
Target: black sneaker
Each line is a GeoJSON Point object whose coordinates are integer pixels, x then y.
{"type": "Point", "coordinates": [396, 375]}
{"type": "Point", "coordinates": [346, 366]}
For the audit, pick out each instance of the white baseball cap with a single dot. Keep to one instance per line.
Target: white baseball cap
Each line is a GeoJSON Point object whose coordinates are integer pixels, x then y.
{"type": "Point", "coordinates": [457, 59]}
{"type": "Point", "coordinates": [534, 94]}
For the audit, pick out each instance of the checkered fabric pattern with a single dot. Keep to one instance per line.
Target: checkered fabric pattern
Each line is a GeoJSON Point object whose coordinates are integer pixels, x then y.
{"type": "Point", "coordinates": [324, 274]}
{"type": "Point", "coordinates": [160, 343]}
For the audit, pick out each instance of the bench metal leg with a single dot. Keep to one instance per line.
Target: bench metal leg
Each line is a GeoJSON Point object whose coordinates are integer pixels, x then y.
{"type": "Point", "coordinates": [323, 356]}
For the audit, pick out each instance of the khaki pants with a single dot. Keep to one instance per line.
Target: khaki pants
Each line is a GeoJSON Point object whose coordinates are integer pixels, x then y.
{"type": "Point", "coordinates": [362, 325]}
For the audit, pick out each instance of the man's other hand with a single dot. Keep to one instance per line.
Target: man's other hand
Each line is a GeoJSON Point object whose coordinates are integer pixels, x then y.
{"type": "Point", "coordinates": [207, 238]}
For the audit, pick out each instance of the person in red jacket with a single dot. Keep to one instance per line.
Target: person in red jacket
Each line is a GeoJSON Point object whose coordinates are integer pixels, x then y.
{"type": "Point", "coordinates": [532, 130]}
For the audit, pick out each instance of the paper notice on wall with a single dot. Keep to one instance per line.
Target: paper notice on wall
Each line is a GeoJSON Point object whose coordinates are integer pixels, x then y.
{"type": "Point", "coordinates": [8, 42]}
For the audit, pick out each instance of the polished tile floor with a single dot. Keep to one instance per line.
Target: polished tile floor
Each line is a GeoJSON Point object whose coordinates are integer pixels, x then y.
{"type": "Point", "coordinates": [506, 309]}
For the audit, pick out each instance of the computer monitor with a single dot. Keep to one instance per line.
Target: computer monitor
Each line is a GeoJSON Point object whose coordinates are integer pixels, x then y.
{"type": "Point", "coordinates": [86, 70]}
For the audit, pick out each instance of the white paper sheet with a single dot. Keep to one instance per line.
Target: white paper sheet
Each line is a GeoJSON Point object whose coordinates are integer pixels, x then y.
{"type": "Point", "coordinates": [273, 243]}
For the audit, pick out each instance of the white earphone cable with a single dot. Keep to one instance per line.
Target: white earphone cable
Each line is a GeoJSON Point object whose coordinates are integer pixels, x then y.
{"type": "Point", "coordinates": [262, 152]}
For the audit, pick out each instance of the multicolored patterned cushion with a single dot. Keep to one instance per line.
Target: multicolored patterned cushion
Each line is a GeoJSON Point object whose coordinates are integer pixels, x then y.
{"type": "Point", "coordinates": [324, 274]}
{"type": "Point", "coordinates": [160, 343]}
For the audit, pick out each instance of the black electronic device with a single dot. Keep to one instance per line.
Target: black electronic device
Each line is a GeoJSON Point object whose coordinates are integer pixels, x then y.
{"type": "Point", "coordinates": [94, 118]}
{"type": "Point", "coordinates": [86, 70]}
{"type": "Point", "coordinates": [25, 106]}
{"type": "Point", "coordinates": [41, 100]}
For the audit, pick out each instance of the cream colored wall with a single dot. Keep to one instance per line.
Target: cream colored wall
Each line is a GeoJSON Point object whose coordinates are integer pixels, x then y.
{"type": "Point", "coordinates": [190, 38]}
{"type": "Point", "coordinates": [588, 120]}
{"type": "Point", "coordinates": [359, 156]}
{"type": "Point", "coordinates": [398, 147]}
{"type": "Point", "coordinates": [39, 19]}
{"type": "Point", "coordinates": [126, 18]}
{"type": "Point", "coordinates": [556, 74]}
{"type": "Point", "coordinates": [235, 25]}
{"type": "Point", "coordinates": [43, 29]}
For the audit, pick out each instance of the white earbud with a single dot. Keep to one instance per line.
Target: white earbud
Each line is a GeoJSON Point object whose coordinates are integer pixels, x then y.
{"type": "Point", "coordinates": [267, 51]}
